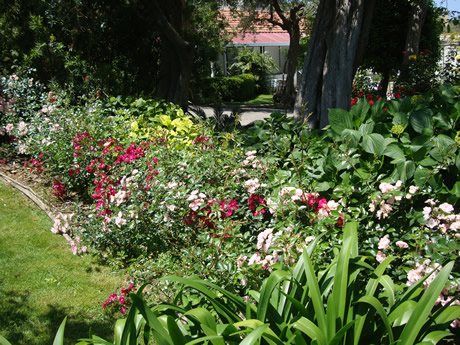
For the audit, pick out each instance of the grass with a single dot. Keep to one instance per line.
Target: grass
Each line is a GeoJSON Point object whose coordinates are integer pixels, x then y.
{"type": "Point", "coordinates": [41, 281]}
{"type": "Point", "coordinates": [259, 100]}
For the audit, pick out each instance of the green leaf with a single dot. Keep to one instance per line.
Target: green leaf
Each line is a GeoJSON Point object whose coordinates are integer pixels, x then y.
{"type": "Point", "coordinates": [375, 303]}
{"type": "Point", "coordinates": [420, 120]}
{"type": "Point", "coordinates": [435, 337]}
{"type": "Point", "coordinates": [203, 316]}
{"type": "Point", "coordinates": [373, 143]}
{"type": "Point", "coordinates": [421, 176]}
{"type": "Point", "coordinates": [366, 128]}
{"type": "Point", "coordinates": [425, 305]}
{"type": "Point", "coordinates": [118, 331]}
{"type": "Point", "coordinates": [269, 285]}
{"type": "Point", "coordinates": [311, 330]}
{"type": "Point", "coordinates": [456, 189]}
{"type": "Point", "coordinates": [315, 292]}
{"type": "Point", "coordinates": [401, 119]}
{"type": "Point", "coordinates": [176, 335]}
{"type": "Point", "coordinates": [394, 151]}
{"type": "Point", "coordinates": [59, 338]}
{"type": "Point", "coordinates": [448, 314]}
{"type": "Point", "coordinates": [339, 120]}
{"type": "Point", "coordinates": [3, 341]}
{"type": "Point", "coordinates": [405, 169]}
{"type": "Point", "coordinates": [352, 136]}
{"type": "Point", "coordinates": [254, 336]}
{"type": "Point", "coordinates": [402, 314]}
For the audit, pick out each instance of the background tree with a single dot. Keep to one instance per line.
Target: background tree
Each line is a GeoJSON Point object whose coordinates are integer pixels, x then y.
{"type": "Point", "coordinates": [384, 50]}
{"type": "Point", "coordinates": [337, 43]}
{"type": "Point", "coordinates": [85, 44]}
{"type": "Point", "coordinates": [291, 16]}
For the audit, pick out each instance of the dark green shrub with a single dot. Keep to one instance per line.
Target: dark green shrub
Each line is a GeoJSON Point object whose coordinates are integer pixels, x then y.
{"type": "Point", "coordinates": [240, 87]}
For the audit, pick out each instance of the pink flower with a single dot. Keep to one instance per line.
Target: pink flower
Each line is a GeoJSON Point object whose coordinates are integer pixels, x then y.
{"type": "Point", "coordinates": [384, 242]}
{"type": "Point", "coordinates": [386, 187]}
{"type": "Point", "coordinates": [380, 257]}
{"type": "Point", "coordinates": [402, 244]}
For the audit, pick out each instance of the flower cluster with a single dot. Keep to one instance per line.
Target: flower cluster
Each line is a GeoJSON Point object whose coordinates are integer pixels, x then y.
{"type": "Point", "coordinates": [114, 301]}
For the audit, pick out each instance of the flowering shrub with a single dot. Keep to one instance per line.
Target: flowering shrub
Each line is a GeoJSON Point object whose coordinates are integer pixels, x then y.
{"type": "Point", "coordinates": [119, 303]}
{"type": "Point", "coordinates": [163, 195]}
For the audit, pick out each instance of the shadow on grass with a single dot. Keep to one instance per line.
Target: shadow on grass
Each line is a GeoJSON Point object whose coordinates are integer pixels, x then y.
{"type": "Point", "coordinates": [20, 324]}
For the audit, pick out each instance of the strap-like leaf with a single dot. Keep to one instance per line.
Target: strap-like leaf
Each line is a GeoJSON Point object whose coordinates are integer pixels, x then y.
{"type": "Point", "coordinates": [311, 330]}
{"type": "Point", "coordinates": [434, 337]}
{"type": "Point", "coordinates": [375, 303]}
{"type": "Point", "coordinates": [59, 338]}
{"type": "Point", "coordinates": [425, 305]}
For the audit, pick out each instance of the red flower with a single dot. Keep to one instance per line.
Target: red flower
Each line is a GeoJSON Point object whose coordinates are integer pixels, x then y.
{"type": "Point", "coordinates": [371, 102]}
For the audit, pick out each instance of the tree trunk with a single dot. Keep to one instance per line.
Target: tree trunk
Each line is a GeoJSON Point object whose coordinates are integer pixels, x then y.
{"type": "Point", "coordinates": [176, 59]}
{"type": "Point", "coordinates": [288, 92]}
{"type": "Point", "coordinates": [340, 28]}
{"type": "Point", "coordinates": [414, 30]}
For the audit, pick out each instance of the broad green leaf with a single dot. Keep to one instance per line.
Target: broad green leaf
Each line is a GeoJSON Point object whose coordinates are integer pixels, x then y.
{"type": "Point", "coordinates": [401, 119]}
{"type": "Point", "coordinates": [373, 143]}
{"type": "Point", "coordinates": [421, 176]}
{"type": "Point", "coordinates": [255, 324]}
{"type": "Point", "coordinates": [160, 333]}
{"type": "Point", "coordinates": [394, 151]}
{"type": "Point", "coordinates": [445, 144]}
{"type": "Point", "coordinates": [351, 136]}
{"type": "Point", "coordinates": [366, 128]}
{"type": "Point", "coordinates": [341, 333]}
{"type": "Point", "coordinates": [425, 305]}
{"type": "Point", "coordinates": [420, 120]}
{"type": "Point", "coordinates": [311, 330]}
{"type": "Point", "coordinates": [337, 300]}
{"type": "Point", "coordinates": [390, 289]}
{"type": "Point", "coordinates": [405, 169]}
{"type": "Point", "coordinates": [205, 339]}
{"type": "Point", "coordinates": [339, 120]}
{"type": "Point", "coordinates": [59, 338]}
{"type": "Point", "coordinates": [455, 189]}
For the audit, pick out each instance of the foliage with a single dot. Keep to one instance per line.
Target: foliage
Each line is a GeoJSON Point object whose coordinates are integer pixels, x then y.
{"type": "Point", "coordinates": [241, 87]}
{"type": "Point", "coordinates": [164, 195]}
{"type": "Point", "coordinates": [332, 306]}
{"type": "Point", "coordinates": [260, 65]}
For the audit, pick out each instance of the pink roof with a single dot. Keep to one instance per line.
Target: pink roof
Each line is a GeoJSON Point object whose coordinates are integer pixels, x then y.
{"type": "Point", "coordinates": [263, 38]}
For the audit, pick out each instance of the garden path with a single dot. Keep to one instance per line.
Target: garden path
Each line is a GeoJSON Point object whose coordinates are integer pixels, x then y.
{"type": "Point", "coordinates": [248, 114]}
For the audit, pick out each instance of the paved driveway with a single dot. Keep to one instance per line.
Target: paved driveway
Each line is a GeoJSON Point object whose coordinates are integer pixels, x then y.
{"type": "Point", "coordinates": [248, 114]}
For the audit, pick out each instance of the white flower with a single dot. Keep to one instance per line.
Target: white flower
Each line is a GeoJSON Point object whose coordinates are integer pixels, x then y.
{"type": "Point", "coordinates": [413, 189]}
{"type": "Point", "coordinates": [386, 187]}
{"type": "Point", "coordinates": [446, 207]}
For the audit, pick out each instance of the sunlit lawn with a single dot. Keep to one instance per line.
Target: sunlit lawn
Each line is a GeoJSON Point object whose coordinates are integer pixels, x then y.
{"type": "Point", "coordinates": [41, 281]}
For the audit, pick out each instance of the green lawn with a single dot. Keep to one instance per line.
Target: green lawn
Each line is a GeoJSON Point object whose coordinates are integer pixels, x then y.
{"type": "Point", "coordinates": [41, 281]}
{"type": "Point", "coordinates": [259, 100]}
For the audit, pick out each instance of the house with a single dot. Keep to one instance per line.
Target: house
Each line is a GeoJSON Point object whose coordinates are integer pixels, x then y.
{"type": "Point", "coordinates": [264, 38]}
